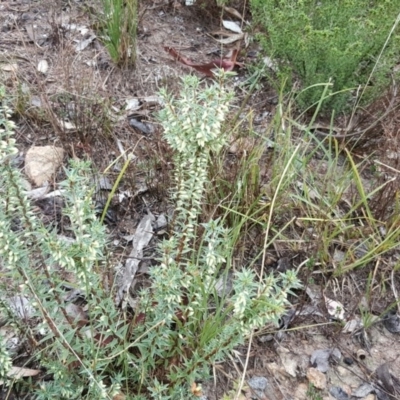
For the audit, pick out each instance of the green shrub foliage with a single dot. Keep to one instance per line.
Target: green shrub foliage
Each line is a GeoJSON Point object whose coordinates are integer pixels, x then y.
{"type": "Point", "coordinates": [338, 40]}
{"type": "Point", "coordinates": [185, 320]}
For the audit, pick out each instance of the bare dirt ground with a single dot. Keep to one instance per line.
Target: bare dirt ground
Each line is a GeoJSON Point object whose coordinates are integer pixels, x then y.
{"type": "Point", "coordinates": [81, 85]}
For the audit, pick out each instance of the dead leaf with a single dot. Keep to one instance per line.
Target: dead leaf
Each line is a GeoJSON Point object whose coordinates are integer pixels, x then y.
{"type": "Point", "coordinates": [232, 26]}
{"type": "Point", "coordinates": [77, 313]}
{"type": "Point", "coordinates": [143, 128]}
{"type": "Point", "coordinates": [43, 66]}
{"type": "Point", "coordinates": [142, 237]}
{"type": "Point", "coordinates": [31, 32]}
{"type": "Point", "coordinates": [152, 100]}
{"type": "Point", "coordinates": [206, 69]}
{"type": "Point", "coordinates": [233, 12]}
{"type": "Point", "coordinates": [38, 193]}
{"type": "Point", "coordinates": [83, 30]}
{"type": "Point", "coordinates": [334, 308]}
{"type": "Point", "coordinates": [387, 381]}
{"type": "Point", "coordinates": [230, 38]}
{"type": "Point", "coordinates": [69, 126]}
{"type": "Point", "coordinates": [352, 325]}
{"type": "Point", "coordinates": [9, 67]}
{"type": "Point", "coordinates": [84, 43]}
{"type": "Point", "coordinates": [132, 104]}
{"type": "Point", "coordinates": [196, 390]}
{"type": "Point", "coordinates": [17, 372]}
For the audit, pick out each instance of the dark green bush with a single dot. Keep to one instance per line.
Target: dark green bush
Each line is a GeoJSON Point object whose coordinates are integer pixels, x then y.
{"type": "Point", "coordinates": [314, 41]}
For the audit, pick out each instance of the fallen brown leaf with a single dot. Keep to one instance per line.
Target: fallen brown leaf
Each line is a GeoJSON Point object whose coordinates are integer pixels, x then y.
{"type": "Point", "coordinates": [206, 69]}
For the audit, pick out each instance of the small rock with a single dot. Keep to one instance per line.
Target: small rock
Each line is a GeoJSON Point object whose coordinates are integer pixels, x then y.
{"type": "Point", "coordinates": [261, 388]}
{"type": "Point", "coordinates": [277, 370]}
{"type": "Point", "coordinates": [274, 368]}
{"type": "Point", "coordinates": [348, 361]}
{"type": "Point", "coordinates": [36, 101]}
{"type": "Point", "coordinates": [41, 162]}
{"type": "Point", "coordinates": [338, 393]}
{"type": "Point", "coordinates": [363, 390]}
{"type": "Point", "coordinates": [320, 358]}
{"type": "Point", "coordinates": [391, 321]}
{"type": "Point", "coordinates": [290, 364]}
{"type": "Point", "coordinates": [266, 338]}
{"type": "Point", "coordinates": [338, 256]}
{"type": "Point", "coordinates": [258, 383]}
{"type": "Point", "coordinates": [317, 378]}
{"type": "Point", "coordinates": [342, 371]}
{"type": "Point", "coordinates": [371, 396]}
{"type": "Point", "coordinates": [161, 222]}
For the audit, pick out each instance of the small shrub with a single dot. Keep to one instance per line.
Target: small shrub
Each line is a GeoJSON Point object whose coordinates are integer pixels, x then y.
{"type": "Point", "coordinates": [185, 321]}
{"type": "Point", "coordinates": [34, 262]}
{"type": "Point", "coordinates": [199, 324]}
{"type": "Point", "coordinates": [330, 40]}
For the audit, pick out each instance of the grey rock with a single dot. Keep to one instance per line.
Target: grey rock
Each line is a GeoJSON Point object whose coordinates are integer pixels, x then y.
{"type": "Point", "coordinates": [259, 384]}
{"type": "Point", "coordinates": [363, 390]}
{"type": "Point", "coordinates": [320, 358]}
{"type": "Point", "coordinates": [391, 321]}
{"type": "Point", "coordinates": [338, 393]}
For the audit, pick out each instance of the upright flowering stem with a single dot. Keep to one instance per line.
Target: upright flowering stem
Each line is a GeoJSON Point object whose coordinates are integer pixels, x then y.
{"type": "Point", "coordinates": [192, 127]}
